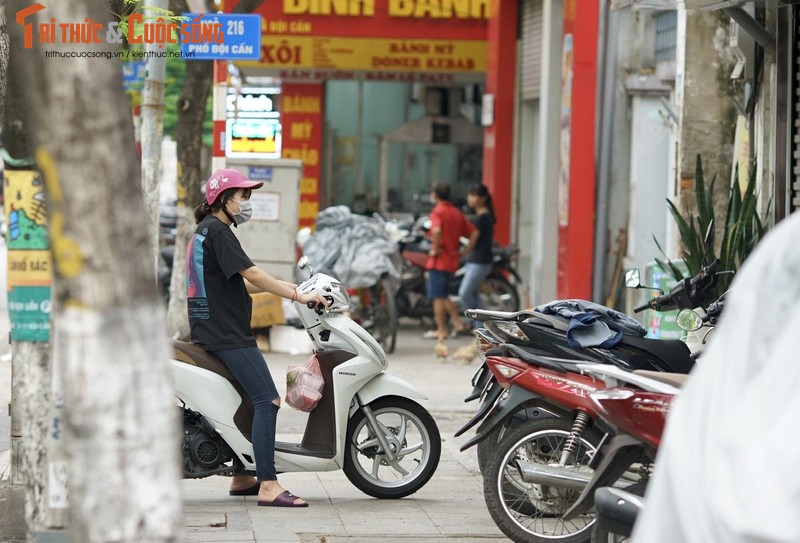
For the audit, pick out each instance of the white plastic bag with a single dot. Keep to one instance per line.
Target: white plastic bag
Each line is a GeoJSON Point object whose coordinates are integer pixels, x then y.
{"type": "Point", "coordinates": [304, 385]}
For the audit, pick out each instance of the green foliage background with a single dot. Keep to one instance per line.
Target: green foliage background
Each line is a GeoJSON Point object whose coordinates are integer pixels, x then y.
{"type": "Point", "coordinates": [173, 87]}
{"type": "Point", "coordinates": [743, 229]}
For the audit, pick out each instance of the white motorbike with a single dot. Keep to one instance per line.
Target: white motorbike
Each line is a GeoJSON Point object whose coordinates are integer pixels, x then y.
{"type": "Point", "coordinates": [367, 422]}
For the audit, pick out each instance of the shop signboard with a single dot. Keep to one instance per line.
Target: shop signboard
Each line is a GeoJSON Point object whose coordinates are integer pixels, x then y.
{"type": "Point", "coordinates": [235, 36]}
{"type": "Point", "coordinates": [302, 115]}
{"type": "Point", "coordinates": [379, 40]}
{"type": "Point", "coordinates": [253, 122]}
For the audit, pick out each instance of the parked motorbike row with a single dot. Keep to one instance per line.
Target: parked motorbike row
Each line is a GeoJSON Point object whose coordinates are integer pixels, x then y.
{"type": "Point", "coordinates": [556, 423]}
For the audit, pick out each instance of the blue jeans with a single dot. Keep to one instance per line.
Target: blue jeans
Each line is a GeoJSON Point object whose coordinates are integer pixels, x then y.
{"type": "Point", "coordinates": [470, 289]}
{"type": "Point", "coordinates": [438, 284]}
{"type": "Point", "coordinates": [247, 364]}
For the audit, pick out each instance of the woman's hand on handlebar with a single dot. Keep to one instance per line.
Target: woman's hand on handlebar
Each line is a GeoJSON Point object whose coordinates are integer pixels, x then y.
{"type": "Point", "coordinates": [312, 298]}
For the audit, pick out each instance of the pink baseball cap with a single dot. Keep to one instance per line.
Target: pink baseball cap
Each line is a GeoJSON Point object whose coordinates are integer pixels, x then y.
{"type": "Point", "coordinates": [227, 178]}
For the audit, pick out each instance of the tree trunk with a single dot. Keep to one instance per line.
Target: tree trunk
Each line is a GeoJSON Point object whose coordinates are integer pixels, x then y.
{"type": "Point", "coordinates": [31, 390]}
{"type": "Point", "coordinates": [31, 394]}
{"type": "Point", "coordinates": [191, 112]}
{"type": "Point", "coordinates": [153, 127]}
{"type": "Point", "coordinates": [120, 422]}
{"type": "Point", "coordinates": [189, 139]}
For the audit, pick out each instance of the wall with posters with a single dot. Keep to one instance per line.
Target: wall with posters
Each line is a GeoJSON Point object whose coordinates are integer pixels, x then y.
{"type": "Point", "coordinates": [30, 272]}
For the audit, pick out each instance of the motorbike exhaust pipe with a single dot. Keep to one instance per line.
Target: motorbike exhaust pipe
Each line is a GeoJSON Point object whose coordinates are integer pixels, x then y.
{"type": "Point", "coordinates": [552, 476]}
{"type": "Point", "coordinates": [539, 474]}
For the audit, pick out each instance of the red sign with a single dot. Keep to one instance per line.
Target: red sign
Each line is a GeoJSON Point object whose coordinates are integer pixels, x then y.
{"type": "Point", "coordinates": [301, 120]}
{"type": "Point", "coordinates": [425, 19]}
{"type": "Point", "coordinates": [435, 39]}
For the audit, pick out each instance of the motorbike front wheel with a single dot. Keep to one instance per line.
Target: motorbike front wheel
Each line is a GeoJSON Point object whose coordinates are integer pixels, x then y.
{"type": "Point", "coordinates": [413, 437]}
{"type": "Point", "coordinates": [529, 512]}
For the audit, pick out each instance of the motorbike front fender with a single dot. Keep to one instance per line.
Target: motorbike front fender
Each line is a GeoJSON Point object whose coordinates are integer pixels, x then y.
{"type": "Point", "coordinates": [384, 384]}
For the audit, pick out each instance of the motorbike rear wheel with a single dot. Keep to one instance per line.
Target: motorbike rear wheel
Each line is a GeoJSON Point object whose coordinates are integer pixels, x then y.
{"type": "Point", "coordinates": [412, 435]}
{"type": "Point", "coordinates": [499, 295]}
{"type": "Point", "coordinates": [528, 512]}
{"type": "Point", "coordinates": [486, 448]}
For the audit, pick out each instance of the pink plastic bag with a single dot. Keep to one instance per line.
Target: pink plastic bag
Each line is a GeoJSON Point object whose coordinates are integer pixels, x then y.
{"type": "Point", "coordinates": [304, 385]}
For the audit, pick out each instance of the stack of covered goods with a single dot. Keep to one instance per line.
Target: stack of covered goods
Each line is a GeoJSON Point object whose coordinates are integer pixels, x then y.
{"type": "Point", "coordinates": [353, 248]}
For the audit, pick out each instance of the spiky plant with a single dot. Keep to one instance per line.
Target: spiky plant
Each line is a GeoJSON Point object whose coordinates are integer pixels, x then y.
{"type": "Point", "coordinates": [743, 230]}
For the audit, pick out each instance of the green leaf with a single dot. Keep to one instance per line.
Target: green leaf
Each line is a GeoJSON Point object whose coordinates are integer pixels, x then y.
{"type": "Point", "coordinates": [742, 230]}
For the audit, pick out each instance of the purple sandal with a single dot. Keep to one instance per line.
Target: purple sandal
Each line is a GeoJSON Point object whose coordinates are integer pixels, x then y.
{"type": "Point", "coordinates": [284, 499]}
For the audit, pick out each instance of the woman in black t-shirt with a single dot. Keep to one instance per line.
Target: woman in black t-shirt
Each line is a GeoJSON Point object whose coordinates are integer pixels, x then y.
{"type": "Point", "coordinates": [479, 260]}
{"type": "Point", "coordinates": [220, 279]}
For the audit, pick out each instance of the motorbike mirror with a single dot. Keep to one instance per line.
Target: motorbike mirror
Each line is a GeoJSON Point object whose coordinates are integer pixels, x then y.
{"type": "Point", "coordinates": [689, 320]}
{"type": "Point", "coordinates": [303, 264]}
{"type": "Point", "coordinates": [632, 279]}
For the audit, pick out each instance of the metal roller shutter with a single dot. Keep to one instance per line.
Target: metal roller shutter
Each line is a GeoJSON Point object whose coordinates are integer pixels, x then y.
{"type": "Point", "coordinates": [530, 71]}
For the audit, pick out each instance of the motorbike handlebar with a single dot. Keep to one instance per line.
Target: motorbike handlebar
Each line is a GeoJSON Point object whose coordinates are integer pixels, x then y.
{"type": "Point", "coordinates": [658, 303]}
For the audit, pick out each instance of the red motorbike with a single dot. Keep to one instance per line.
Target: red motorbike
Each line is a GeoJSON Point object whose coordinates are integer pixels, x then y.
{"type": "Point", "coordinates": [539, 469]}
{"type": "Point", "coordinates": [636, 418]}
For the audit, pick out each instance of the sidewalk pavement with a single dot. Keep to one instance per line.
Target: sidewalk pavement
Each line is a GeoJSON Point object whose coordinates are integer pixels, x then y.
{"type": "Point", "coordinates": [449, 508]}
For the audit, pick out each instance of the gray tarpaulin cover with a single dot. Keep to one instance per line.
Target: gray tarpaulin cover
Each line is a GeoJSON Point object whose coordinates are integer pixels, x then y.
{"type": "Point", "coordinates": [727, 467]}
{"type": "Point", "coordinates": [353, 248]}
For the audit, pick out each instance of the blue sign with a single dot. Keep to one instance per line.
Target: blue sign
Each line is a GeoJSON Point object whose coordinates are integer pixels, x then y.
{"type": "Point", "coordinates": [220, 36]}
{"type": "Point", "coordinates": [262, 173]}
{"type": "Point", "coordinates": [133, 72]}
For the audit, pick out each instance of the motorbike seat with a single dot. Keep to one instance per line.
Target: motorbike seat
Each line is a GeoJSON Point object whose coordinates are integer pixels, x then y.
{"type": "Point", "coordinates": [190, 353]}
{"type": "Point", "coordinates": [673, 352]}
{"type": "Point", "coordinates": [561, 365]}
{"type": "Point", "coordinates": [674, 379]}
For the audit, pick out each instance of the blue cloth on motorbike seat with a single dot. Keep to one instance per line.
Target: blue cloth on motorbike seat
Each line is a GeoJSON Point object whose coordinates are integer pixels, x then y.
{"type": "Point", "coordinates": [605, 327]}
{"type": "Point", "coordinates": [586, 330]}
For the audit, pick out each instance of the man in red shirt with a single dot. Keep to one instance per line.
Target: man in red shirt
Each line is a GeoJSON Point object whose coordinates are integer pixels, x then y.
{"type": "Point", "coordinates": [448, 226]}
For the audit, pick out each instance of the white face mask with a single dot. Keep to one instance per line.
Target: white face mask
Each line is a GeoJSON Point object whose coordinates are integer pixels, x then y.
{"type": "Point", "coordinates": [245, 212]}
